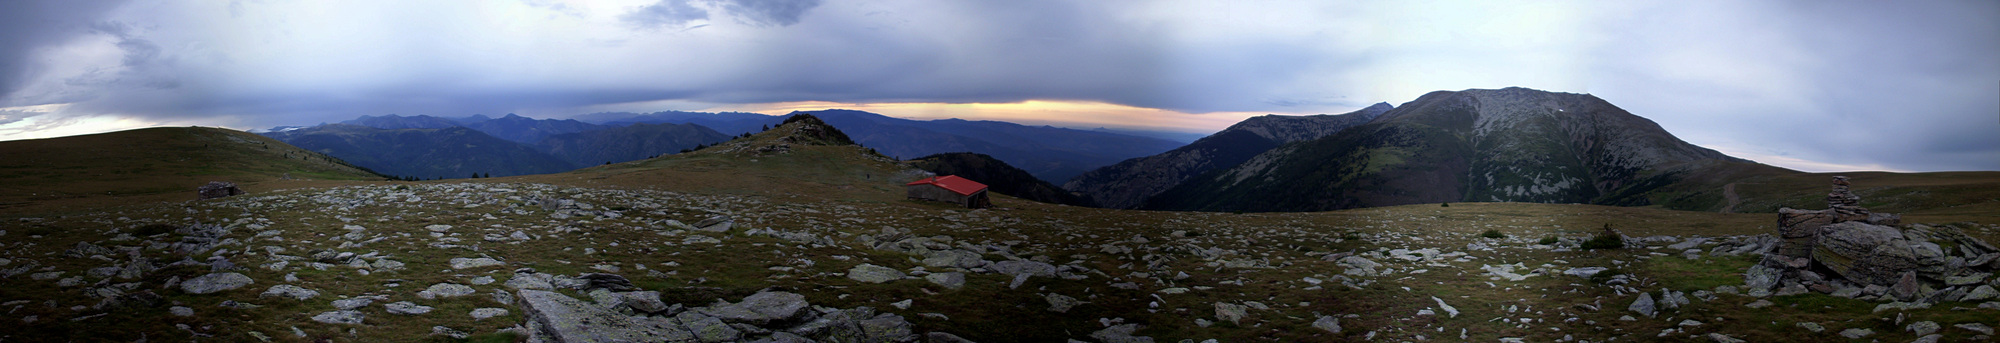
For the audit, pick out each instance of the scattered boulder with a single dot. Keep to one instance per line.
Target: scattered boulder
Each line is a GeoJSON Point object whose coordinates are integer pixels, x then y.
{"type": "Point", "coordinates": [487, 312]}
{"type": "Point", "coordinates": [1059, 303]}
{"type": "Point", "coordinates": [1121, 333]}
{"type": "Point", "coordinates": [445, 290]}
{"type": "Point", "coordinates": [874, 274]}
{"type": "Point", "coordinates": [955, 280]}
{"type": "Point", "coordinates": [348, 317]}
{"type": "Point", "coordinates": [289, 291]}
{"type": "Point", "coordinates": [1329, 323]}
{"type": "Point", "coordinates": [469, 263]}
{"type": "Point", "coordinates": [353, 303]}
{"type": "Point", "coordinates": [763, 308]}
{"type": "Point", "coordinates": [1644, 305]}
{"type": "Point", "coordinates": [215, 282]}
{"type": "Point", "coordinates": [1230, 312]}
{"type": "Point", "coordinates": [613, 282]}
{"type": "Point", "coordinates": [717, 223]}
{"type": "Point", "coordinates": [407, 308]}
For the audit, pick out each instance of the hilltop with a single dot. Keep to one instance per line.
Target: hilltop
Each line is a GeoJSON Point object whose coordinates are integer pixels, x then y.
{"type": "Point", "coordinates": [1512, 144]}
{"type": "Point", "coordinates": [154, 161]}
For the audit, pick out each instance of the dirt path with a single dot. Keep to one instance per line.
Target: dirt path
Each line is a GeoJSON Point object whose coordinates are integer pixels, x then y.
{"type": "Point", "coordinates": [1729, 193]}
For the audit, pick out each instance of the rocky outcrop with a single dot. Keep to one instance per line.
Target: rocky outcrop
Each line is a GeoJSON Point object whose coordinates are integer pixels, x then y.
{"type": "Point", "coordinates": [765, 316]}
{"type": "Point", "coordinates": [1846, 247]}
{"type": "Point", "coordinates": [218, 189]}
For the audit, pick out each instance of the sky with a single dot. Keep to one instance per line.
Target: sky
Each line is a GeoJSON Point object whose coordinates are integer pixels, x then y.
{"type": "Point", "coordinates": [1808, 85]}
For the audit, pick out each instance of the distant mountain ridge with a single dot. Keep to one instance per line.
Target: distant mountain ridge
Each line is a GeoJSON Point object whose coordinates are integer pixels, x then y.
{"type": "Point", "coordinates": [1512, 144]}
{"type": "Point", "coordinates": [452, 152]}
{"type": "Point", "coordinates": [627, 143]}
{"type": "Point", "coordinates": [1050, 153]}
{"type": "Point", "coordinates": [1128, 183]}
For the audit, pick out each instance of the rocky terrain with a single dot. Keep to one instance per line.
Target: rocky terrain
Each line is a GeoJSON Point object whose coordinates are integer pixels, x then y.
{"type": "Point", "coordinates": [394, 262]}
{"type": "Point", "coordinates": [795, 235]}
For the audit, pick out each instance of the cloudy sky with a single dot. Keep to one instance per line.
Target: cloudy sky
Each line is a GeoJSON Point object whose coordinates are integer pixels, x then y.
{"type": "Point", "coordinates": [1810, 85]}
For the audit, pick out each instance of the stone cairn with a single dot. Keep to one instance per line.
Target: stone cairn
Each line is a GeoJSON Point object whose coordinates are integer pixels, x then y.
{"type": "Point", "coordinates": [1847, 251]}
{"type": "Point", "coordinates": [218, 189]}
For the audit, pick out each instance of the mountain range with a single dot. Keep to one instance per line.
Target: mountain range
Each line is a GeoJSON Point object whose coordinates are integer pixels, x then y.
{"type": "Point", "coordinates": [1129, 183]}
{"type": "Point", "coordinates": [1050, 153]}
{"type": "Point", "coordinates": [1505, 145]}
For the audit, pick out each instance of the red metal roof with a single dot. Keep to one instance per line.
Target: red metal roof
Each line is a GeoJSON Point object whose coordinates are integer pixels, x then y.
{"type": "Point", "coordinates": [952, 183]}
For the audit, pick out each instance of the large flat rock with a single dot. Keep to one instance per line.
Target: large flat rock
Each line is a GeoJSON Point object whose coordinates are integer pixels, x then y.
{"type": "Point", "coordinates": [560, 318]}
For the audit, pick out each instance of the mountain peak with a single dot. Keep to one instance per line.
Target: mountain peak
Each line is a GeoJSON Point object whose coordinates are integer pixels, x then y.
{"type": "Point", "coordinates": [804, 128]}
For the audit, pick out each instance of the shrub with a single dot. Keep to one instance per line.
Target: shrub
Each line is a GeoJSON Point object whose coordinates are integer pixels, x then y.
{"type": "Point", "coordinates": [1606, 275]}
{"type": "Point", "coordinates": [154, 229]}
{"type": "Point", "coordinates": [1550, 240]}
{"type": "Point", "coordinates": [1607, 240]}
{"type": "Point", "coordinates": [1446, 204]}
{"type": "Point", "coordinates": [1492, 234]}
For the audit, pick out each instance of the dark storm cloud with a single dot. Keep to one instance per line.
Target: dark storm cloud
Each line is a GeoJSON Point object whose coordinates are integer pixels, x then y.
{"type": "Point", "coordinates": [26, 26]}
{"type": "Point", "coordinates": [770, 12]}
{"type": "Point", "coordinates": [666, 13]}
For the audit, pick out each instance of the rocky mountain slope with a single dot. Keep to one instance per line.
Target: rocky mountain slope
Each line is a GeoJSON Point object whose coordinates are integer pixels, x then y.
{"type": "Point", "coordinates": [1002, 178]}
{"type": "Point", "coordinates": [453, 152]}
{"type": "Point", "coordinates": [1513, 144]}
{"type": "Point", "coordinates": [627, 143]}
{"type": "Point", "coordinates": [1128, 183]}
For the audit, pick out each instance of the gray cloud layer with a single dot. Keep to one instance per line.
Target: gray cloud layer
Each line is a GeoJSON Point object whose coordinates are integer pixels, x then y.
{"type": "Point", "coordinates": [1907, 86]}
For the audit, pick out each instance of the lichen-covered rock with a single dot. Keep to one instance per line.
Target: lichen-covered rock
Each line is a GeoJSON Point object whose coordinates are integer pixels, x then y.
{"type": "Point", "coordinates": [952, 280]}
{"type": "Point", "coordinates": [1644, 305]}
{"type": "Point", "coordinates": [407, 308]}
{"type": "Point", "coordinates": [873, 273]}
{"type": "Point", "coordinates": [561, 318]}
{"type": "Point", "coordinates": [953, 258]}
{"type": "Point", "coordinates": [339, 317]}
{"type": "Point", "coordinates": [1230, 312]}
{"type": "Point", "coordinates": [1329, 323]}
{"type": "Point", "coordinates": [289, 291]}
{"type": "Point", "coordinates": [469, 263]}
{"type": "Point", "coordinates": [1020, 267]}
{"type": "Point", "coordinates": [1121, 333]}
{"type": "Point", "coordinates": [215, 282]}
{"type": "Point", "coordinates": [763, 308]}
{"type": "Point", "coordinates": [445, 290]}
{"type": "Point", "coordinates": [1864, 253]}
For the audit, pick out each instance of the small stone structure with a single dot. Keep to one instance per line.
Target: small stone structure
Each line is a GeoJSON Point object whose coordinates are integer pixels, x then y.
{"type": "Point", "coordinates": [1848, 251]}
{"type": "Point", "coordinates": [218, 189]}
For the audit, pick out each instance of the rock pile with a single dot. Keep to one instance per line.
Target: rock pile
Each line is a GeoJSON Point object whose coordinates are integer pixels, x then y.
{"type": "Point", "coordinates": [1848, 251]}
{"type": "Point", "coordinates": [218, 189]}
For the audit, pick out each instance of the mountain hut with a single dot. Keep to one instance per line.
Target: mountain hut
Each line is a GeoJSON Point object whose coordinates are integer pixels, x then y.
{"type": "Point", "coordinates": [951, 189]}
